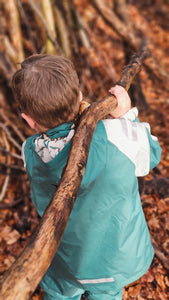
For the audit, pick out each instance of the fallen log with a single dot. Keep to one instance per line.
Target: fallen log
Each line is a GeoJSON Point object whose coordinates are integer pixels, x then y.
{"type": "Point", "coordinates": [21, 280]}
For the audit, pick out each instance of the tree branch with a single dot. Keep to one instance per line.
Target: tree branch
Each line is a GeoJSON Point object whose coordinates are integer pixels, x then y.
{"type": "Point", "coordinates": [14, 28]}
{"type": "Point", "coordinates": [7, 177]}
{"type": "Point", "coordinates": [48, 30]}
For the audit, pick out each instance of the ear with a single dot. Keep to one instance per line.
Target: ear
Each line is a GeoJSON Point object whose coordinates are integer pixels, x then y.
{"type": "Point", "coordinates": [80, 96]}
{"type": "Point", "coordinates": [32, 123]}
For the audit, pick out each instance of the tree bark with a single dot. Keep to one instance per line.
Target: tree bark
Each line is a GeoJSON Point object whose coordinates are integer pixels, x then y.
{"type": "Point", "coordinates": [21, 280]}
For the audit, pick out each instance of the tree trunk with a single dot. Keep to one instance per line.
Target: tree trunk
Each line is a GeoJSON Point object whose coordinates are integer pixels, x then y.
{"type": "Point", "coordinates": [21, 280]}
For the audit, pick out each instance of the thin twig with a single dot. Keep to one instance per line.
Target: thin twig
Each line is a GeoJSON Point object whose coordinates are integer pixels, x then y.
{"type": "Point", "coordinates": [15, 167]}
{"type": "Point", "coordinates": [9, 49]}
{"type": "Point", "coordinates": [10, 137]}
{"type": "Point", "coordinates": [13, 126]}
{"type": "Point", "coordinates": [6, 181]}
{"type": "Point", "coordinates": [11, 153]}
{"type": "Point", "coordinates": [10, 205]}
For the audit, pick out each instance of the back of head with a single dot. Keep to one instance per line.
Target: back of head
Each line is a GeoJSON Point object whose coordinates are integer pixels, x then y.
{"type": "Point", "coordinates": [47, 89]}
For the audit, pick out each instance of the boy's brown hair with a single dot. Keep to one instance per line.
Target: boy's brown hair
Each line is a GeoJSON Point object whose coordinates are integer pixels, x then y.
{"type": "Point", "coordinates": [47, 89]}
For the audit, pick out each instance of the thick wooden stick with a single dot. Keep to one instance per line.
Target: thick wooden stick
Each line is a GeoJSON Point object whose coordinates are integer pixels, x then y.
{"type": "Point", "coordinates": [21, 280]}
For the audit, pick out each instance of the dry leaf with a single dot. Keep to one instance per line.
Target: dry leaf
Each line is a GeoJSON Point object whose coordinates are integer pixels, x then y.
{"type": "Point", "coordinates": [9, 260]}
{"type": "Point", "coordinates": [163, 296]}
{"type": "Point", "coordinates": [154, 223]}
{"type": "Point", "coordinates": [160, 280]}
{"type": "Point", "coordinates": [134, 291]}
{"type": "Point", "coordinates": [149, 276]}
{"type": "Point", "coordinates": [166, 280]}
{"type": "Point", "coordinates": [9, 236]}
{"type": "Point", "coordinates": [140, 298]}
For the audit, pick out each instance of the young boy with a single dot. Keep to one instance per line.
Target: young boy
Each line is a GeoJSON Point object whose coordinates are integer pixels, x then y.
{"type": "Point", "coordinates": [106, 244]}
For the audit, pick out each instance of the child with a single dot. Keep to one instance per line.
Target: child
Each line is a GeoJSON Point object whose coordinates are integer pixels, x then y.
{"type": "Point", "coordinates": [106, 244]}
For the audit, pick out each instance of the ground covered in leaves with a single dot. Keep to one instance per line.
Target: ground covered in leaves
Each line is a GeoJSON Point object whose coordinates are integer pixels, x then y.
{"type": "Point", "coordinates": [18, 217]}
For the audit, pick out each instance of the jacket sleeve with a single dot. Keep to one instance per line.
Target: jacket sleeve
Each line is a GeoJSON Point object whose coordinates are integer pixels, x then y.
{"type": "Point", "coordinates": [134, 139]}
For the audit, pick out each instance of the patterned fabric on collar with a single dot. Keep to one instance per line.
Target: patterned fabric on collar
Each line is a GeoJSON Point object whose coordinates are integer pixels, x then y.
{"type": "Point", "coordinates": [47, 148]}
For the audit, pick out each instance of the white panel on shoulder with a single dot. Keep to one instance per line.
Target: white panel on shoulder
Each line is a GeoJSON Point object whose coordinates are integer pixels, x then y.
{"type": "Point", "coordinates": [131, 139]}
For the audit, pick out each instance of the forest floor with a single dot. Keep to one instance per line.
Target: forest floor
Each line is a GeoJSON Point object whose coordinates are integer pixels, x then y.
{"type": "Point", "coordinates": [18, 217]}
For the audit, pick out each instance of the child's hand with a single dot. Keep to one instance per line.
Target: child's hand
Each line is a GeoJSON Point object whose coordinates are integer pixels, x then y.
{"type": "Point", "coordinates": [124, 102]}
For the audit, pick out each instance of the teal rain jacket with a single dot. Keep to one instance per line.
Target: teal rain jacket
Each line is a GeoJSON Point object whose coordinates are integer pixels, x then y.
{"type": "Point", "coordinates": [106, 244]}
